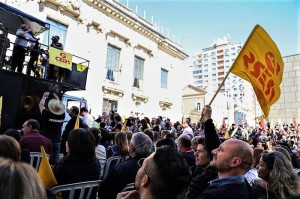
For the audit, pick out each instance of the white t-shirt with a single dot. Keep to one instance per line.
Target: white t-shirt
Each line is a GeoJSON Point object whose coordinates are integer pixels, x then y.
{"type": "Point", "coordinates": [88, 120]}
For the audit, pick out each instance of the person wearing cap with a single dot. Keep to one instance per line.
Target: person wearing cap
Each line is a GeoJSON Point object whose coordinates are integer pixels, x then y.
{"type": "Point", "coordinates": [53, 118]}
{"type": "Point", "coordinates": [20, 47]}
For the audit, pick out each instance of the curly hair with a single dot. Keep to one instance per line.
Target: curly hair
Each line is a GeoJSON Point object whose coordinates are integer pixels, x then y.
{"type": "Point", "coordinates": [284, 181]}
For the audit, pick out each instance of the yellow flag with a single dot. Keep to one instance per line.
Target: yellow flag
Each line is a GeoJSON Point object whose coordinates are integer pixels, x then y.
{"type": "Point", "coordinates": [227, 136]}
{"type": "Point", "coordinates": [124, 126]}
{"type": "Point", "coordinates": [77, 123]}
{"type": "Point", "coordinates": [261, 64]}
{"type": "Point", "coordinates": [45, 172]}
{"type": "Point", "coordinates": [60, 58]}
{"type": "Point", "coordinates": [80, 67]}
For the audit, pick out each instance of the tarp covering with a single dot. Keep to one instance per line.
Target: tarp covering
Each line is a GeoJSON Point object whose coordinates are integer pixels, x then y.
{"type": "Point", "coordinates": [12, 18]}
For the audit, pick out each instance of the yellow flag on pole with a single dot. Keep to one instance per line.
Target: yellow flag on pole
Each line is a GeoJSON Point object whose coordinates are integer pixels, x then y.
{"type": "Point", "coordinates": [81, 67]}
{"type": "Point", "coordinates": [124, 126]}
{"type": "Point", "coordinates": [60, 58]}
{"type": "Point", "coordinates": [261, 64]}
{"type": "Point", "coordinates": [77, 123]}
{"type": "Point", "coordinates": [227, 136]}
{"type": "Point", "coordinates": [45, 172]}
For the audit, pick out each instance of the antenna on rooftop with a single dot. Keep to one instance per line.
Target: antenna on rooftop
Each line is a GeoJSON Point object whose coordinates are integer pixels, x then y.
{"type": "Point", "coordinates": [127, 3]}
{"type": "Point", "coordinates": [136, 9]}
{"type": "Point", "coordinates": [144, 14]}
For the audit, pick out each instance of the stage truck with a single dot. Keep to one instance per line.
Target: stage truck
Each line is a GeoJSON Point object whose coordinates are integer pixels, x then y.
{"type": "Point", "coordinates": [20, 94]}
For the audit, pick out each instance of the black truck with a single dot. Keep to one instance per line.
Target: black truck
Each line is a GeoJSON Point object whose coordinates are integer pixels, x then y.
{"type": "Point", "coordinates": [20, 94]}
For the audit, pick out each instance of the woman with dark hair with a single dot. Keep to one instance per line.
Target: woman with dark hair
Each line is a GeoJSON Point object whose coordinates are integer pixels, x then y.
{"type": "Point", "coordinates": [9, 148]}
{"type": "Point", "coordinates": [277, 178]}
{"type": "Point", "coordinates": [80, 164]}
{"type": "Point", "coordinates": [100, 149]}
{"type": "Point", "coordinates": [25, 153]}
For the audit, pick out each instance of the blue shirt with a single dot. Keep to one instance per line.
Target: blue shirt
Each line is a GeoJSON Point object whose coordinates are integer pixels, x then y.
{"type": "Point", "coordinates": [227, 180]}
{"type": "Point", "coordinates": [22, 41]}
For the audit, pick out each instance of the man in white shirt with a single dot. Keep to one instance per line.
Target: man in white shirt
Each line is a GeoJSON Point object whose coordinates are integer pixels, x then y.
{"type": "Point", "coordinates": [20, 47]}
{"type": "Point", "coordinates": [86, 117]}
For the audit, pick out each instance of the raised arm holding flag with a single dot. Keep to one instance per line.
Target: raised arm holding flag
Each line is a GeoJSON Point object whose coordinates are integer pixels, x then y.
{"type": "Point", "coordinates": [261, 64]}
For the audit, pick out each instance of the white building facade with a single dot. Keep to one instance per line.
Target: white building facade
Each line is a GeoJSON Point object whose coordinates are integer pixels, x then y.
{"type": "Point", "coordinates": [235, 101]}
{"type": "Point", "coordinates": [133, 68]}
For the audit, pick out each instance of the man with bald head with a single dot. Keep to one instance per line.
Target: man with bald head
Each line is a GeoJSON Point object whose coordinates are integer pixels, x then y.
{"type": "Point", "coordinates": [231, 159]}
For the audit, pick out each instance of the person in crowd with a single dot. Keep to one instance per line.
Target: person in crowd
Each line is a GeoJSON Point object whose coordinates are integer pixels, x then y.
{"type": "Point", "coordinates": [80, 164]}
{"type": "Point", "coordinates": [188, 121]}
{"type": "Point", "coordinates": [185, 149]}
{"type": "Point", "coordinates": [86, 117]}
{"type": "Point", "coordinates": [34, 55]}
{"type": "Point", "coordinates": [195, 142]}
{"type": "Point", "coordinates": [252, 173]}
{"type": "Point", "coordinates": [20, 47]}
{"type": "Point", "coordinates": [203, 173]}
{"type": "Point", "coordinates": [100, 149]}
{"type": "Point", "coordinates": [157, 126]}
{"type": "Point", "coordinates": [153, 121]}
{"type": "Point", "coordinates": [166, 142]}
{"type": "Point", "coordinates": [151, 136]}
{"type": "Point", "coordinates": [125, 172]}
{"type": "Point", "coordinates": [106, 136]}
{"type": "Point", "coordinates": [73, 113]}
{"type": "Point", "coordinates": [144, 125]}
{"type": "Point", "coordinates": [10, 148]}
{"type": "Point", "coordinates": [163, 175]}
{"type": "Point", "coordinates": [53, 118]}
{"type": "Point", "coordinates": [120, 148]}
{"type": "Point", "coordinates": [187, 130]}
{"type": "Point", "coordinates": [231, 159]}
{"type": "Point", "coordinates": [32, 139]}
{"type": "Point", "coordinates": [277, 178]}
{"type": "Point", "coordinates": [25, 153]}
{"type": "Point", "coordinates": [19, 180]}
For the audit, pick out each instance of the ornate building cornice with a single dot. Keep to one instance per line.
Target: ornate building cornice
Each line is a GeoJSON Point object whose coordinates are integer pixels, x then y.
{"type": "Point", "coordinates": [133, 21]}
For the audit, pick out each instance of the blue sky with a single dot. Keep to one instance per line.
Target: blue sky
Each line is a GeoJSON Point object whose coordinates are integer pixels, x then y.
{"type": "Point", "coordinates": [199, 22]}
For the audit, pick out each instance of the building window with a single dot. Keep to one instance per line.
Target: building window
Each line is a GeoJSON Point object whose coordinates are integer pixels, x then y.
{"type": "Point", "coordinates": [138, 72]}
{"type": "Point", "coordinates": [112, 62]}
{"type": "Point", "coordinates": [163, 78]}
{"type": "Point", "coordinates": [56, 29]}
{"type": "Point", "coordinates": [198, 106]}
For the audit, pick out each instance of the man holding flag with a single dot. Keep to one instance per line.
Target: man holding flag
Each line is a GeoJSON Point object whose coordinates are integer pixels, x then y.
{"type": "Point", "coordinates": [74, 123]}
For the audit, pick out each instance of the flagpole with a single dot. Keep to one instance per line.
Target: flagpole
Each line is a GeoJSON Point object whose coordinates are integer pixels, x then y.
{"type": "Point", "coordinates": [222, 83]}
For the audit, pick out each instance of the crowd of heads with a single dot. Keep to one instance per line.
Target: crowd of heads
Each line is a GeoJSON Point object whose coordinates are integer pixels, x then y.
{"type": "Point", "coordinates": [165, 173]}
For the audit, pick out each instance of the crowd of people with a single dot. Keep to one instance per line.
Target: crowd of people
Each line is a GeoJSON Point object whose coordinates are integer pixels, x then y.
{"type": "Point", "coordinates": [164, 160]}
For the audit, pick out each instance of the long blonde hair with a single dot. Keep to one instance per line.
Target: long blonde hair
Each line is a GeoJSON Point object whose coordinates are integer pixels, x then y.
{"type": "Point", "coordinates": [284, 180]}
{"type": "Point", "coordinates": [19, 180]}
{"type": "Point", "coordinates": [122, 142]}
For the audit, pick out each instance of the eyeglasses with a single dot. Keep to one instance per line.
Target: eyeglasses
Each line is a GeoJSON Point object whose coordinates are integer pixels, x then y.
{"type": "Point", "coordinates": [140, 163]}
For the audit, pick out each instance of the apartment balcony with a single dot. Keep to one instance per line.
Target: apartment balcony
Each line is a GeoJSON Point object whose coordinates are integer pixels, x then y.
{"type": "Point", "coordinates": [220, 51]}
{"type": "Point", "coordinates": [220, 56]}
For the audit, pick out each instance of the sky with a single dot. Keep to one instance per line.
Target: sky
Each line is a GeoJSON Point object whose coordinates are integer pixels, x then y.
{"type": "Point", "coordinates": [196, 24]}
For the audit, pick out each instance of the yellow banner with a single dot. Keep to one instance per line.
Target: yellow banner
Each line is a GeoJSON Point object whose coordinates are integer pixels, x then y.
{"type": "Point", "coordinates": [60, 58]}
{"type": "Point", "coordinates": [81, 67]}
{"type": "Point", "coordinates": [261, 64]}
